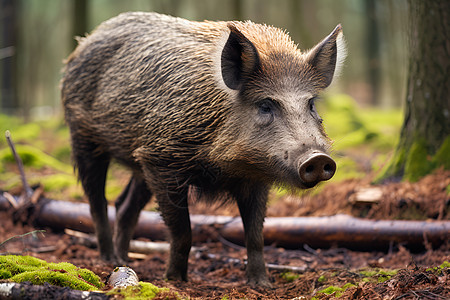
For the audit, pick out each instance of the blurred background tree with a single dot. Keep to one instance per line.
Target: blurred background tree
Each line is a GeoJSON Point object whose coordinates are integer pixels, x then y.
{"type": "Point", "coordinates": [36, 35]}
{"type": "Point", "coordinates": [8, 41]}
{"type": "Point", "coordinates": [79, 20]}
{"type": "Point", "coordinates": [425, 136]}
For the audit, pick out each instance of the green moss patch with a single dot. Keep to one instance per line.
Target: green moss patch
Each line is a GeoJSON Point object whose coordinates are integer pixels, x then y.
{"type": "Point", "coordinates": [142, 291]}
{"type": "Point", "coordinates": [416, 161]}
{"type": "Point", "coordinates": [438, 270]}
{"type": "Point", "coordinates": [33, 157]}
{"type": "Point", "coordinates": [27, 268]}
{"type": "Point", "coordinates": [442, 156]}
{"type": "Point", "coordinates": [290, 276]}
{"type": "Point", "coordinates": [334, 290]}
{"type": "Point", "coordinates": [377, 275]}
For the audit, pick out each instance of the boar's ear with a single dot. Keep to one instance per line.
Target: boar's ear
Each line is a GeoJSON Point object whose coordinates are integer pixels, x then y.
{"type": "Point", "coordinates": [328, 56]}
{"type": "Point", "coordinates": [239, 58]}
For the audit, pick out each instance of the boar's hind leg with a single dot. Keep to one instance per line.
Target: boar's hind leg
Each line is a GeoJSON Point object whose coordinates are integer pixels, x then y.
{"type": "Point", "coordinates": [252, 207]}
{"type": "Point", "coordinates": [175, 212]}
{"type": "Point", "coordinates": [92, 168]}
{"type": "Point", "coordinates": [128, 206]}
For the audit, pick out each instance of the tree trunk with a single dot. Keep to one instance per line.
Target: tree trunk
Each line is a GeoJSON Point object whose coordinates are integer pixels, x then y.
{"type": "Point", "coordinates": [373, 51]}
{"type": "Point", "coordinates": [79, 20]}
{"type": "Point", "coordinates": [8, 36]}
{"type": "Point", "coordinates": [424, 143]}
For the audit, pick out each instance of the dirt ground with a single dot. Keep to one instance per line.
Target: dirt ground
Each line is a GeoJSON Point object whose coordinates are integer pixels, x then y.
{"type": "Point", "coordinates": [222, 275]}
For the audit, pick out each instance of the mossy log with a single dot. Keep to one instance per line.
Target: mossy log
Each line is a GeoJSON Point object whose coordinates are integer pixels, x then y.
{"type": "Point", "coordinates": [26, 290]}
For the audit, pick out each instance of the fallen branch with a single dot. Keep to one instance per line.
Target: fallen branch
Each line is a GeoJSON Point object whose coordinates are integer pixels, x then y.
{"type": "Point", "coordinates": [28, 190]}
{"type": "Point", "coordinates": [293, 233]}
{"type": "Point", "coordinates": [345, 231]}
{"type": "Point", "coordinates": [89, 240]}
{"type": "Point", "coordinates": [21, 236]}
{"type": "Point", "coordinates": [27, 290]}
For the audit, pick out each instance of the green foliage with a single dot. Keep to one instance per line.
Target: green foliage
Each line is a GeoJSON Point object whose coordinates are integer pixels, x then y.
{"type": "Point", "coordinates": [142, 291]}
{"type": "Point", "coordinates": [377, 275]}
{"type": "Point", "coordinates": [58, 182]}
{"type": "Point", "coordinates": [7, 123]}
{"type": "Point", "coordinates": [5, 274]}
{"type": "Point", "coordinates": [289, 276]}
{"type": "Point", "coordinates": [21, 131]}
{"type": "Point", "coordinates": [33, 157]}
{"type": "Point", "coordinates": [438, 270]}
{"type": "Point", "coordinates": [350, 126]}
{"type": "Point", "coordinates": [337, 291]}
{"type": "Point", "coordinates": [372, 275]}
{"type": "Point", "coordinates": [26, 268]}
{"type": "Point", "coordinates": [62, 153]}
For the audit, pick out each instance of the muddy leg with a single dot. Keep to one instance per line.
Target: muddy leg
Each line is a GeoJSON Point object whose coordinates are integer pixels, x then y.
{"type": "Point", "coordinates": [128, 206]}
{"type": "Point", "coordinates": [252, 207]}
{"type": "Point", "coordinates": [174, 210]}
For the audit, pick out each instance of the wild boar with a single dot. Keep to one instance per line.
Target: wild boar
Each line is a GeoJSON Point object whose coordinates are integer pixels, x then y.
{"type": "Point", "coordinates": [226, 108]}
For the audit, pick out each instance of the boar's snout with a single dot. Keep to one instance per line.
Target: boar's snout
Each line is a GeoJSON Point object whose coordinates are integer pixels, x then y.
{"type": "Point", "coordinates": [316, 167]}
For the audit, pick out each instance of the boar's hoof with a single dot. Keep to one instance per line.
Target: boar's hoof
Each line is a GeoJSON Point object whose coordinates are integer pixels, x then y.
{"type": "Point", "coordinates": [260, 282]}
{"type": "Point", "coordinates": [114, 260]}
{"type": "Point", "coordinates": [317, 167]}
{"type": "Point", "coordinates": [176, 276]}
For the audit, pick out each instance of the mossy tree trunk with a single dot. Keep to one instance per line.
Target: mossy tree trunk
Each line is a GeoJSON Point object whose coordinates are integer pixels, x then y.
{"type": "Point", "coordinates": [424, 143]}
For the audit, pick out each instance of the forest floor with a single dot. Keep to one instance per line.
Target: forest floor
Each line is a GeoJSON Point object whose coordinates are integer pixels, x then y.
{"type": "Point", "coordinates": [328, 273]}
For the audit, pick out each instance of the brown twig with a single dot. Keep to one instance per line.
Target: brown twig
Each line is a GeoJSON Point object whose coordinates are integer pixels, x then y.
{"type": "Point", "coordinates": [11, 200]}
{"type": "Point", "coordinates": [26, 186]}
{"type": "Point", "coordinates": [20, 236]}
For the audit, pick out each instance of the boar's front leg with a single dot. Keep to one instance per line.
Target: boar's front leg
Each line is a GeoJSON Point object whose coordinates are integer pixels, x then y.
{"type": "Point", "coordinates": [252, 201]}
{"type": "Point", "coordinates": [174, 210]}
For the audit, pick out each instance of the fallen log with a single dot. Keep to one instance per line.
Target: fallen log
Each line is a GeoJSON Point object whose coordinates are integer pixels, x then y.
{"type": "Point", "coordinates": [59, 215]}
{"type": "Point", "coordinates": [290, 232]}
{"type": "Point", "coordinates": [345, 231]}
{"type": "Point", "coordinates": [27, 290]}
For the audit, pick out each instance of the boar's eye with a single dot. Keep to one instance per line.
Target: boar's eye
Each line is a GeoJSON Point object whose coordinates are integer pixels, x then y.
{"type": "Point", "coordinates": [265, 107]}
{"type": "Point", "coordinates": [312, 109]}
{"type": "Point", "coordinates": [265, 111]}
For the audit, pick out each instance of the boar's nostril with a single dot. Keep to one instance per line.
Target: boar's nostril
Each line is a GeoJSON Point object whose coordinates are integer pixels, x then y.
{"type": "Point", "coordinates": [317, 167]}
{"type": "Point", "coordinates": [309, 169]}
